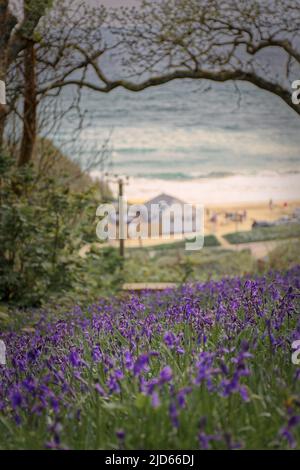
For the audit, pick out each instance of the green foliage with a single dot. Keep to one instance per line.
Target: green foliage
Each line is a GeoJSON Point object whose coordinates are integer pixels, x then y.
{"type": "Point", "coordinates": [209, 241]}
{"type": "Point", "coordinates": [285, 256]}
{"type": "Point", "coordinates": [49, 159]}
{"type": "Point", "coordinates": [38, 234]}
{"type": "Point", "coordinates": [279, 232]}
{"type": "Point", "coordinates": [100, 273]}
{"type": "Point", "coordinates": [178, 265]}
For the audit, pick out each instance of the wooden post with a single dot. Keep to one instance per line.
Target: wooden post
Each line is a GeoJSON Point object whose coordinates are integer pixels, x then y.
{"type": "Point", "coordinates": [121, 219]}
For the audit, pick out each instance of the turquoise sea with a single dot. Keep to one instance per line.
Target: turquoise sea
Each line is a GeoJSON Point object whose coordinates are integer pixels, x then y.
{"type": "Point", "coordinates": [189, 129]}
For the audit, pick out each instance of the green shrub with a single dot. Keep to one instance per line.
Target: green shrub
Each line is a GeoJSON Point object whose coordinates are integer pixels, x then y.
{"type": "Point", "coordinates": [279, 232]}
{"type": "Point", "coordinates": [209, 241]}
{"type": "Point", "coordinates": [285, 255]}
{"type": "Point", "coordinates": [39, 235]}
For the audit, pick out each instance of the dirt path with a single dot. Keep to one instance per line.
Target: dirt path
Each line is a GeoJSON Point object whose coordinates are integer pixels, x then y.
{"type": "Point", "coordinates": [223, 242]}
{"type": "Point", "coordinates": [258, 250]}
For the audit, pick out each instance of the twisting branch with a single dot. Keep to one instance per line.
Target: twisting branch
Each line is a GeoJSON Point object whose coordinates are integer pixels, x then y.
{"type": "Point", "coordinates": [212, 39]}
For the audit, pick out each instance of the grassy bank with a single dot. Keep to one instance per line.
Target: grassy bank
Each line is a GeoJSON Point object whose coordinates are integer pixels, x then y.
{"type": "Point", "coordinates": [209, 241]}
{"type": "Point", "coordinates": [264, 234]}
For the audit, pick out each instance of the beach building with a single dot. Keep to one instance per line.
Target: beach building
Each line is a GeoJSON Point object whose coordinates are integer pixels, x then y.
{"type": "Point", "coordinates": [168, 214]}
{"type": "Point", "coordinates": [162, 215]}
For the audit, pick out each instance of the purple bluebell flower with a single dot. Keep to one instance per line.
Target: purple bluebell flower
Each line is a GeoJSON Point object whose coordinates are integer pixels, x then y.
{"type": "Point", "coordinates": [16, 399]}
{"type": "Point", "coordinates": [74, 358]}
{"type": "Point", "coordinates": [99, 390]}
{"type": "Point", "coordinates": [128, 360]}
{"type": "Point", "coordinates": [141, 364]}
{"type": "Point", "coordinates": [155, 400]}
{"type": "Point", "coordinates": [181, 396]}
{"type": "Point", "coordinates": [287, 431]}
{"type": "Point", "coordinates": [97, 354]}
{"type": "Point", "coordinates": [174, 415]}
{"type": "Point", "coordinates": [120, 433]}
{"type": "Point", "coordinates": [166, 374]}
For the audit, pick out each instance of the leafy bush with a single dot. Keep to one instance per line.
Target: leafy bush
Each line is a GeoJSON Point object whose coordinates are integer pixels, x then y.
{"type": "Point", "coordinates": [48, 159]}
{"type": "Point", "coordinates": [39, 235]}
{"type": "Point", "coordinates": [209, 241]}
{"type": "Point", "coordinates": [285, 256]}
{"type": "Point", "coordinates": [280, 232]}
{"type": "Point", "coordinates": [99, 274]}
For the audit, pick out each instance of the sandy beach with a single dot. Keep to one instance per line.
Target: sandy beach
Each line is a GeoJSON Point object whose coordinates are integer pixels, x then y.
{"type": "Point", "coordinates": [249, 195]}
{"type": "Point", "coordinates": [253, 211]}
{"type": "Point", "coordinates": [242, 194]}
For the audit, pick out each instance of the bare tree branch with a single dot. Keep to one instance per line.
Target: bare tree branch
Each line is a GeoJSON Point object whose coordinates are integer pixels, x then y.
{"type": "Point", "coordinates": [220, 40]}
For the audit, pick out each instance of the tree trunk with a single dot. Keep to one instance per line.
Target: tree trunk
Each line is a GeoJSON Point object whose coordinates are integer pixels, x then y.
{"type": "Point", "coordinates": [30, 107]}
{"type": "Point", "coordinates": [2, 123]}
{"type": "Point", "coordinates": [2, 108]}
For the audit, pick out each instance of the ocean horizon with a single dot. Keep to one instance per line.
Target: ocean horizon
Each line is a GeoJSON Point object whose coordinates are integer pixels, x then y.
{"type": "Point", "coordinates": [235, 189]}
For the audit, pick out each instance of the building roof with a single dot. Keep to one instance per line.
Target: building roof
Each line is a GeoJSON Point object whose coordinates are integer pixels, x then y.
{"type": "Point", "coordinates": [166, 198]}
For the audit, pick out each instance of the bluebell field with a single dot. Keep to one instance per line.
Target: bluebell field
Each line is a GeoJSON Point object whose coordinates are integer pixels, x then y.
{"type": "Point", "coordinates": [207, 366]}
